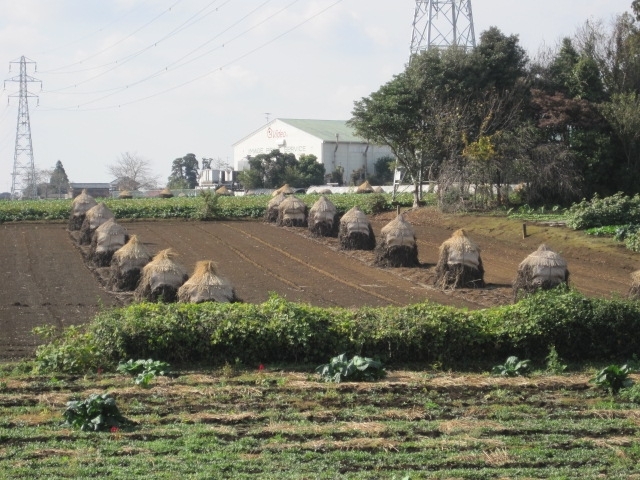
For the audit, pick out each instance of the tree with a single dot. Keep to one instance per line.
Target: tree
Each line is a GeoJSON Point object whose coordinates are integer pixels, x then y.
{"type": "Point", "coordinates": [58, 180]}
{"type": "Point", "coordinates": [184, 172]}
{"type": "Point", "coordinates": [310, 172]}
{"type": "Point", "coordinates": [133, 172]}
{"type": "Point", "coordinates": [383, 169]}
{"type": "Point", "coordinates": [270, 170]}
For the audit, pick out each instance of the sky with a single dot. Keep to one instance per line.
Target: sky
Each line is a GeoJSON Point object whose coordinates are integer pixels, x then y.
{"type": "Point", "coordinates": [162, 78]}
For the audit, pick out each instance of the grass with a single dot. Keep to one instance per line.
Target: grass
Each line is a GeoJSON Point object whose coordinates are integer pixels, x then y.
{"type": "Point", "coordinates": [234, 423]}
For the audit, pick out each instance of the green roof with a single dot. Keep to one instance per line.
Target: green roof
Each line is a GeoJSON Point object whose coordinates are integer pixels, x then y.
{"type": "Point", "coordinates": [326, 130]}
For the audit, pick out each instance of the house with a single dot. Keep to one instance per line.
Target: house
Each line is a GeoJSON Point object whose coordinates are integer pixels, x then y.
{"type": "Point", "coordinates": [333, 142]}
{"type": "Point", "coordinates": [96, 190]}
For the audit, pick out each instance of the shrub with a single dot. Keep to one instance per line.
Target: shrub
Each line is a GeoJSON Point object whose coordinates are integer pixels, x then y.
{"type": "Point", "coordinates": [613, 378]}
{"type": "Point", "coordinates": [97, 412]}
{"type": "Point", "coordinates": [357, 369]}
{"type": "Point", "coordinates": [617, 209]}
{"type": "Point", "coordinates": [513, 367]}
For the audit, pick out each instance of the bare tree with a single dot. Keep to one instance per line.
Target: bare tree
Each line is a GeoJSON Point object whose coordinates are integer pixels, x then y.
{"type": "Point", "coordinates": [133, 172]}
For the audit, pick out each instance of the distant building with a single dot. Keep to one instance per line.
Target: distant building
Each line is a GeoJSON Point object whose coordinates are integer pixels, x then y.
{"type": "Point", "coordinates": [96, 190]}
{"type": "Point", "coordinates": [333, 142]}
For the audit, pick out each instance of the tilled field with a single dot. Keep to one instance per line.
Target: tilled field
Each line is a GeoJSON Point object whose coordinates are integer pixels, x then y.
{"type": "Point", "coordinates": [47, 282]}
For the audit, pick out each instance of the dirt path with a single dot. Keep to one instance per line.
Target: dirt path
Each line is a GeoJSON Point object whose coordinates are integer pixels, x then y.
{"type": "Point", "coordinates": [45, 280]}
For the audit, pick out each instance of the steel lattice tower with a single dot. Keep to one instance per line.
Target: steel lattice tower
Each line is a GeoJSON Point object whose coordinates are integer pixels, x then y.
{"type": "Point", "coordinates": [23, 182]}
{"type": "Point", "coordinates": [442, 23]}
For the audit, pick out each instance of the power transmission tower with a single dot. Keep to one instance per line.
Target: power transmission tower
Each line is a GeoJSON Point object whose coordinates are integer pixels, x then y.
{"type": "Point", "coordinates": [23, 182]}
{"type": "Point", "coordinates": [442, 23]}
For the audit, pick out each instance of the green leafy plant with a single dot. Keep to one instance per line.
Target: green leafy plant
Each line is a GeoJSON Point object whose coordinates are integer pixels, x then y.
{"type": "Point", "coordinates": [554, 362]}
{"type": "Point", "coordinates": [356, 369]}
{"type": "Point", "coordinates": [70, 350]}
{"type": "Point", "coordinates": [97, 412]}
{"type": "Point", "coordinates": [144, 370]}
{"type": "Point", "coordinates": [613, 378]}
{"type": "Point", "coordinates": [209, 205]}
{"type": "Point", "coordinates": [513, 367]}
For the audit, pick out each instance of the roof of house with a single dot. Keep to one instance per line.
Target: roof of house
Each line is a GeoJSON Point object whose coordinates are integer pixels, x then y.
{"type": "Point", "coordinates": [325, 130]}
{"type": "Point", "coordinates": [89, 185]}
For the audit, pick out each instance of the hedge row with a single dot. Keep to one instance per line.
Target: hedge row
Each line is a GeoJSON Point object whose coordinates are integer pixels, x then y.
{"type": "Point", "coordinates": [617, 209]}
{"type": "Point", "coordinates": [581, 328]}
{"type": "Point", "coordinates": [251, 206]}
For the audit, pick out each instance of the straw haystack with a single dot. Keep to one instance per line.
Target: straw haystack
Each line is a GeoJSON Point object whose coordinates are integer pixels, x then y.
{"type": "Point", "coordinates": [292, 212]}
{"type": "Point", "coordinates": [397, 245]}
{"type": "Point", "coordinates": [161, 278]}
{"type": "Point", "coordinates": [206, 286]}
{"type": "Point", "coordinates": [107, 238]}
{"type": "Point", "coordinates": [365, 188]}
{"type": "Point", "coordinates": [378, 189]}
{"type": "Point", "coordinates": [459, 264]}
{"type": "Point", "coordinates": [634, 291]}
{"type": "Point", "coordinates": [79, 207]}
{"type": "Point", "coordinates": [125, 194]}
{"type": "Point", "coordinates": [126, 265]}
{"type": "Point", "coordinates": [543, 269]}
{"type": "Point", "coordinates": [323, 218]}
{"type": "Point", "coordinates": [166, 193]}
{"type": "Point", "coordinates": [94, 217]}
{"type": "Point", "coordinates": [325, 191]}
{"type": "Point", "coordinates": [355, 231]}
{"type": "Point", "coordinates": [285, 190]}
{"type": "Point", "coordinates": [224, 191]}
{"type": "Point", "coordinates": [271, 214]}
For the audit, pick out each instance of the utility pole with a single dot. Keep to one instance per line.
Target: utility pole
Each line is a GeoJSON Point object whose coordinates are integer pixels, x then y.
{"type": "Point", "coordinates": [23, 182]}
{"type": "Point", "coordinates": [442, 23]}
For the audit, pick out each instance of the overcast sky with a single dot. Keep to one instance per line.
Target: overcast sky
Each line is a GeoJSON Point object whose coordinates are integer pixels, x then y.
{"type": "Point", "coordinates": [163, 78]}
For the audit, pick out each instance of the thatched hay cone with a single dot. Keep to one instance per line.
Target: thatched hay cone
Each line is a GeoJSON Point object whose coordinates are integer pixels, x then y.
{"type": "Point", "coordinates": [107, 238]}
{"type": "Point", "coordinates": [224, 191]}
{"type": "Point", "coordinates": [634, 291]}
{"type": "Point", "coordinates": [323, 219]}
{"type": "Point", "coordinates": [125, 194]}
{"type": "Point", "coordinates": [459, 264]}
{"type": "Point", "coordinates": [79, 207]}
{"type": "Point", "coordinates": [365, 187]}
{"type": "Point", "coordinates": [543, 269]}
{"type": "Point", "coordinates": [326, 191]}
{"type": "Point", "coordinates": [165, 193]}
{"type": "Point", "coordinates": [285, 190]}
{"type": "Point", "coordinates": [355, 232]}
{"type": "Point", "coordinates": [292, 212]}
{"type": "Point", "coordinates": [378, 189]}
{"type": "Point", "coordinates": [161, 278]}
{"type": "Point", "coordinates": [206, 286]}
{"type": "Point", "coordinates": [271, 214]}
{"type": "Point", "coordinates": [126, 265]}
{"type": "Point", "coordinates": [397, 245]}
{"type": "Point", "coordinates": [94, 217]}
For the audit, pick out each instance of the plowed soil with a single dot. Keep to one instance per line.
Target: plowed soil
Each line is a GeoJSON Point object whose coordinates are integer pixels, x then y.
{"type": "Point", "coordinates": [46, 280]}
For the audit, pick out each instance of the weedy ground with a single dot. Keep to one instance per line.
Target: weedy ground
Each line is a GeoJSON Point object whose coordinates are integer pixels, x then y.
{"type": "Point", "coordinates": [231, 423]}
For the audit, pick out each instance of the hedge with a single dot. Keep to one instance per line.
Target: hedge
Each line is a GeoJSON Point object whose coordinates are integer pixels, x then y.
{"type": "Point", "coordinates": [581, 329]}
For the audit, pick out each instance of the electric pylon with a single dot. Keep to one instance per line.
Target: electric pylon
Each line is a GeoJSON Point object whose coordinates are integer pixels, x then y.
{"type": "Point", "coordinates": [442, 23]}
{"type": "Point", "coordinates": [23, 182]}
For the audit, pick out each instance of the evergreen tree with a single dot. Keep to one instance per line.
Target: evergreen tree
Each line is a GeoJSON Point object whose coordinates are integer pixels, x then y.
{"type": "Point", "coordinates": [59, 180]}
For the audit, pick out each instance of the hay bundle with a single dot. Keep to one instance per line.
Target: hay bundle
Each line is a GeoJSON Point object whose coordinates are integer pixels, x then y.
{"type": "Point", "coordinates": [161, 278]}
{"type": "Point", "coordinates": [323, 218]}
{"type": "Point", "coordinates": [165, 193]}
{"type": "Point", "coordinates": [397, 245]}
{"type": "Point", "coordinates": [634, 291]}
{"type": "Point", "coordinates": [107, 238]}
{"type": "Point", "coordinates": [326, 191]}
{"type": "Point", "coordinates": [79, 207]}
{"type": "Point", "coordinates": [355, 231]}
{"type": "Point", "coordinates": [271, 214]}
{"type": "Point", "coordinates": [459, 264]}
{"type": "Point", "coordinates": [206, 286]}
{"type": "Point", "coordinates": [126, 264]}
{"type": "Point", "coordinates": [543, 269]}
{"type": "Point", "coordinates": [94, 217]}
{"type": "Point", "coordinates": [224, 191]}
{"type": "Point", "coordinates": [378, 189]}
{"type": "Point", "coordinates": [284, 189]}
{"type": "Point", "coordinates": [292, 212]}
{"type": "Point", "coordinates": [125, 194]}
{"type": "Point", "coordinates": [365, 188]}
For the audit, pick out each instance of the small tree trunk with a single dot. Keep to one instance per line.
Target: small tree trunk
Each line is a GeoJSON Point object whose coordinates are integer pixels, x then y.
{"type": "Point", "coordinates": [416, 194]}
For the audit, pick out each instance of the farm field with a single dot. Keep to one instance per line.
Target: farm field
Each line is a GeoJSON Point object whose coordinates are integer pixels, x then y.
{"type": "Point", "coordinates": [46, 281]}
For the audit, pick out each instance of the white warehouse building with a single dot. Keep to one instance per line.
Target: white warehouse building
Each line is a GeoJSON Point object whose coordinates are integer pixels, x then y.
{"type": "Point", "coordinates": [333, 142]}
